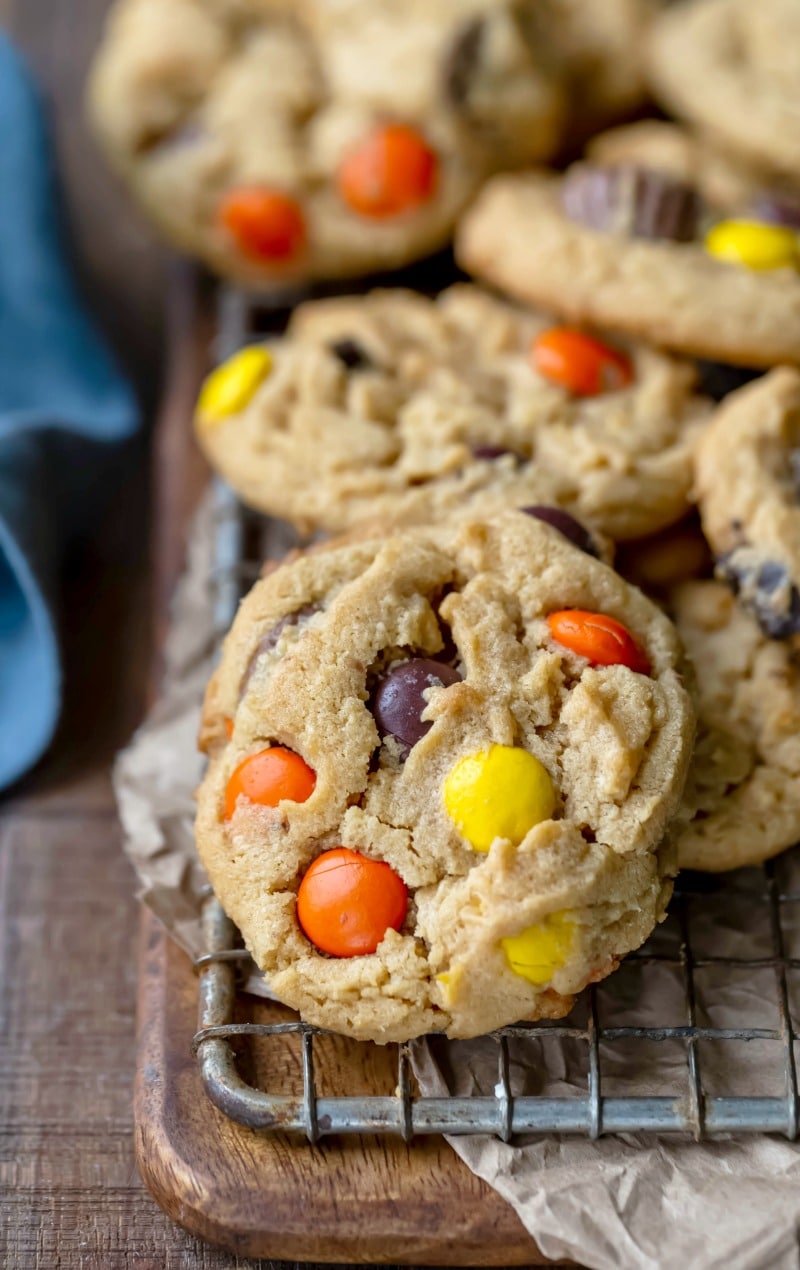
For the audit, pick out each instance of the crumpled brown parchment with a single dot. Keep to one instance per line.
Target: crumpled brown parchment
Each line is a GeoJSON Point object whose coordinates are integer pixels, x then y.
{"type": "Point", "coordinates": [621, 1203]}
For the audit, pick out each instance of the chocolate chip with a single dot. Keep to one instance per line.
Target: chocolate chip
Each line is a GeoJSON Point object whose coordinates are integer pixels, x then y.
{"type": "Point", "coordinates": [778, 209]}
{"type": "Point", "coordinates": [717, 379]}
{"type": "Point", "coordinates": [765, 588]}
{"type": "Point", "coordinates": [566, 525]}
{"type": "Point", "coordinates": [462, 61]}
{"type": "Point", "coordinates": [352, 355]}
{"type": "Point", "coordinates": [492, 452]}
{"type": "Point", "coordinates": [631, 200]}
{"type": "Point", "coordinates": [270, 640]}
{"type": "Point", "coordinates": [398, 702]}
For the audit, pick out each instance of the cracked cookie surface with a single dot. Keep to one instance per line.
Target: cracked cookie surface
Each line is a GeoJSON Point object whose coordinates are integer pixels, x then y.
{"type": "Point", "coordinates": [209, 108]}
{"type": "Point", "coordinates": [743, 792]}
{"type": "Point", "coordinates": [302, 668]}
{"type": "Point", "coordinates": [398, 408]}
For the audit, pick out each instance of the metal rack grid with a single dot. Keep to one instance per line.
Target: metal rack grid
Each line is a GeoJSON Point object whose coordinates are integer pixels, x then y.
{"type": "Point", "coordinates": [693, 1108]}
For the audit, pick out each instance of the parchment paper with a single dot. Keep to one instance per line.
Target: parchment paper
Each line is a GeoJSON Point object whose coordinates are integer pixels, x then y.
{"type": "Point", "coordinates": [614, 1204]}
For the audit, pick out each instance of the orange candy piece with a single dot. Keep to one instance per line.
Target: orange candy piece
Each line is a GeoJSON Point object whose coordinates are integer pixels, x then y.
{"type": "Point", "coordinates": [602, 640]}
{"type": "Point", "coordinates": [582, 365]}
{"type": "Point", "coordinates": [390, 171]}
{"type": "Point", "coordinates": [268, 777]}
{"type": "Point", "coordinates": [266, 224]}
{"type": "Point", "coordinates": [347, 902]}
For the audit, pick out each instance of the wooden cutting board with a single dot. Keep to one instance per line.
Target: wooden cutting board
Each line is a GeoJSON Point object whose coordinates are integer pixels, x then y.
{"type": "Point", "coordinates": [353, 1199]}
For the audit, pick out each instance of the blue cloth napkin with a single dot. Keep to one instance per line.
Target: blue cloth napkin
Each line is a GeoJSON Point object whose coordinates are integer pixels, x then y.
{"type": "Point", "coordinates": [62, 405]}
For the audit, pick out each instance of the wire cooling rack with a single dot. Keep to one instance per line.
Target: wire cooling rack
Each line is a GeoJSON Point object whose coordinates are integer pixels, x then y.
{"type": "Point", "coordinates": [693, 1034]}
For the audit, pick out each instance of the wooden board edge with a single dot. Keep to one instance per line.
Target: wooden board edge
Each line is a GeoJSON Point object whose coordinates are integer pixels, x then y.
{"type": "Point", "coordinates": [180, 1187]}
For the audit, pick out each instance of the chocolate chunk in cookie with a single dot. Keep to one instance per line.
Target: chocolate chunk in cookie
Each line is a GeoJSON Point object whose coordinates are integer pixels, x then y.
{"type": "Point", "coordinates": [462, 61]}
{"type": "Point", "coordinates": [639, 202]}
{"type": "Point", "coordinates": [764, 588]}
{"type": "Point", "coordinates": [746, 470]}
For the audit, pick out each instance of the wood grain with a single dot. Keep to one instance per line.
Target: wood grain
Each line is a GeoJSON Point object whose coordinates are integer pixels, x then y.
{"type": "Point", "coordinates": [363, 1199]}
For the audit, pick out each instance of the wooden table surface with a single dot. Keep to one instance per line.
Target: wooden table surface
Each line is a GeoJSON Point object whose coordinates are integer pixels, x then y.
{"type": "Point", "coordinates": [69, 1193]}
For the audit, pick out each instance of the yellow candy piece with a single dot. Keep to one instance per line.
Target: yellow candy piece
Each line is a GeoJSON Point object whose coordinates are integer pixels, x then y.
{"type": "Point", "coordinates": [450, 981]}
{"type": "Point", "coordinates": [754, 245]}
{"type": "Point", "coordinates": [500, 793]}
{"type": "Point", "coordinates": [229, 388]}
{"type": "Point", "coordinates": [536, 953]}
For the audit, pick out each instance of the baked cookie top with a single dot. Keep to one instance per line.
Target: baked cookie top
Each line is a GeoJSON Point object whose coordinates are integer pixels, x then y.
{"type": "Point", "coordinates": [490, 715]}
{"type": "Point", "coordinates": [397, 408]}
{"type": "Point", "coordinates": [283, 142]}
{"type": "Point", "coordinates": [748, 492]}
{"type": "Point", "coordinates": [626, 248]}
{"type": "Point", "coordinates": [598, 46]}
{"type": "Point", "coordinates": [743, 792]}
{"type": "Point", "coordinates": [731, 67]}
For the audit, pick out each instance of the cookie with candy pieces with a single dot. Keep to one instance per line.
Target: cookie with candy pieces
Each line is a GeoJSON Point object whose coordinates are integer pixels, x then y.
{"type": "Point", "coordinates": [443, 769]}
{"type": "Point", "coordinates": [395, 408]}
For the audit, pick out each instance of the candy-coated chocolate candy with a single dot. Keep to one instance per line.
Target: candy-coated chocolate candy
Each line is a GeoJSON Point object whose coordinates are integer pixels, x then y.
{"type": "Point", "coordinates": [399, 701]}
{"type": "Point", "coordinates": [390, 171]}
{"type": "Point", "coordinates": [583, 365]}
{"type": "Point", "coordinates": [567, 525]}
{"type": "Point", "coordinates": [228, 389]}
{"type": "Point", "coordinates": [536, 953]}
{"type": "Point", "coordinates": [754, 245]}
{"type": "Point", "coordinates": [602, 640]}
{"type": "Point", "coordinates": [347, 902]}
{"type": "Point", "coordinates": [268, 777]}
{"type": "Point", "coordinates": [501, 792]}
{"type": "Point", "coordinates": [266, 224]}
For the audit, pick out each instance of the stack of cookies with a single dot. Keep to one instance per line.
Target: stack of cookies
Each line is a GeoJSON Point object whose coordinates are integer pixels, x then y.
{"type": "Point", "coordinates": [458, 749]}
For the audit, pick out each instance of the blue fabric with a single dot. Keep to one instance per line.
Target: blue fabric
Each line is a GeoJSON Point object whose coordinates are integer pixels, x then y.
{"type": "Point", "coordinates": [63, 408]}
